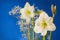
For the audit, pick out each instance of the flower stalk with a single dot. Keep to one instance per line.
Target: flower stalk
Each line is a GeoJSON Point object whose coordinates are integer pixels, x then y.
{"type": "Point", "coordinates": [43, 37]}
{"type": "Point", "coordinates": [33, 35]}
{"type": "Point", "coordinates": [29, 33]}
{"type": "Point", "coordinates": [33, 28]}
{"type": "Point", "coordinates": [50, 35]}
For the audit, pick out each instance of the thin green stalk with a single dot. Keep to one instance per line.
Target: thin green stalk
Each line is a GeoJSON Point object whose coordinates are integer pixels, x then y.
{"type": "Point", "coordinates": [33, 29]}
{"type": "Point", "coordinates": [29, 33]}
{"type": "Point", "coordinates": [50, 35]}
{"type": "Point", "coordinates": [33, 35]}
{"type": "Point", "coordinates": [43, 37]}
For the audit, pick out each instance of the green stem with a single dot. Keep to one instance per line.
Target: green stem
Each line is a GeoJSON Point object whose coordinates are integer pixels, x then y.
{"type": "Point", "coordinates": [29, 33]}
{"type": "Point", "coordinates": [33, 35]}
{"type": "Point", "coordinates": [43, 37]}
{"type": "Point", "coordinates": [50, 35]}
{"type": "Point", "coordinates": [33, 29]}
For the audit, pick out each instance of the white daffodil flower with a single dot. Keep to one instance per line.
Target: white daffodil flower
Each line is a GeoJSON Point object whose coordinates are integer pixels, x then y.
{"type": "Point", "coordinates": [43, 24]}
{"type": "Point", "coordinates": [27, 12]}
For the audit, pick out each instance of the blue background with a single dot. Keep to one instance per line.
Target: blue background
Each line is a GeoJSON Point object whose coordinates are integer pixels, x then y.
{"type": "Point", "coordinates": [8, 28]}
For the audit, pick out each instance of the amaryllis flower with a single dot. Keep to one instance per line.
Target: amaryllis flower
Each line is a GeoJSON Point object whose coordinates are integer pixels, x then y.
{"type": "Point", "coordinates": [43, 24]}
{"type": "Point", "coordinates": [27, 12]}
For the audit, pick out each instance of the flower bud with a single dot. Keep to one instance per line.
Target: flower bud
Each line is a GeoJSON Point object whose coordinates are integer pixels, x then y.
{"type": "Point", "coordinates": [53, 9]}
{"type": "Point", "coordinates": [38, 12]}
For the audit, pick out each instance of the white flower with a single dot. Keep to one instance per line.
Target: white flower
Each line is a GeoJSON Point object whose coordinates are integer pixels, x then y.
{"type": "Point", "coordinates": [27, 12]}
{"type": "Point", "coordinates": [43, 24]}
{"type": "Point", "coordinates": [15, 10]}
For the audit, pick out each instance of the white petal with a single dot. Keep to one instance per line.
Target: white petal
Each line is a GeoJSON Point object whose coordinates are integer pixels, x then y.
{"type": "Point", "coordinates": [37, 22]}
{"type": "Point", "coordinates": [37, 29]}
{"type": "Point", "coordinates": [27, 21]}
{"type": "Point", "coordinates": [23, 17]}
{"type": "Point", "coordinates": [22, 10]}
{"type": "Point", "coordinates": [31, 8]}
{"type": "Point", "coordinates": [44, 32]}
{"type": "Point", "coordinates": [50, 20]}
{"type": "Point", "coordinates": [32, 14]}
{"type": "Point", "coordinates": [27, 5]}
{"type": "Point", "coordinates": [51, 27]}
{"type": "Point", "coordinates": [43, 15]}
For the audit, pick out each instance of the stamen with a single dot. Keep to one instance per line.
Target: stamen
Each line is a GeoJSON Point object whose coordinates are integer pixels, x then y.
{"type": "Point", "coordinates": [28, 12]}
{"type": "Point", "coordinates": [44, 24]}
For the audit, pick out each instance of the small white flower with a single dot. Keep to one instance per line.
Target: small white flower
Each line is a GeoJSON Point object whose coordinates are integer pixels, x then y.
{"type": "Point", "coordinates": [27, 12]}
{"type": "Point", "coordinates": [43, 24]}
{"type": "Point", "coordinates": [15, 10]}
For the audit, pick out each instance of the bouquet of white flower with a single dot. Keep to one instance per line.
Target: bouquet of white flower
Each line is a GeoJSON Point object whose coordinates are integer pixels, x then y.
{"type": "Point", "coordinates": [35, 24]}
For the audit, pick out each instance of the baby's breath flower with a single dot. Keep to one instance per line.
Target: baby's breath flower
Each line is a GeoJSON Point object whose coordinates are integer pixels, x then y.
{"type": "Point", "coordinates": [15, 10]}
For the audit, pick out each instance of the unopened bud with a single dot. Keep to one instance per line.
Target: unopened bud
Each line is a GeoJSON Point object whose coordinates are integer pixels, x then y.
{"type": "Point", "coordinates": [53, 9]}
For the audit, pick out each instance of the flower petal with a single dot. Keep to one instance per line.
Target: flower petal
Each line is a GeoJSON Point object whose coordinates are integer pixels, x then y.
{"type": "Point", "coordinates": [37, 22]}
{"type": "Point", "coordinates": [27, 20]}
{"type": "Point", "coordinates": [50, 20]}
{"type": "Point", "coordinates": [22, 10]}
{"type": "Point", "coordinates": [37, 29]}
{"type": "Point", "coordinates": [51, 27]}
{"type": "Point", "coordinates": [31, 8]}
{"type": "Point", "coordinates": [44, 15]}
{"type": "Point", "coordinates": [44, 32]}
{"type": "Point", "coordinates": [27, 5]}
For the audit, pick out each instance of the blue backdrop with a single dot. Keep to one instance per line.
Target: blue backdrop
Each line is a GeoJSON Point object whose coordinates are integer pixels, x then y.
{"type": "Point", "coordinates": [8, 28]}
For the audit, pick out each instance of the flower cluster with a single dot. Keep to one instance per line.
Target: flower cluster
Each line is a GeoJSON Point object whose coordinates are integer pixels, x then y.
{"type": "Point", "coordinates": [33, 22]}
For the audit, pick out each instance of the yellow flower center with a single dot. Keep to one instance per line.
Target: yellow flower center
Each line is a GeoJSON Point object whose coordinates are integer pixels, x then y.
{"type": "Point", "coordinates": [28, 12]}
{"type": "Point", "coordinates": [44, 24]}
